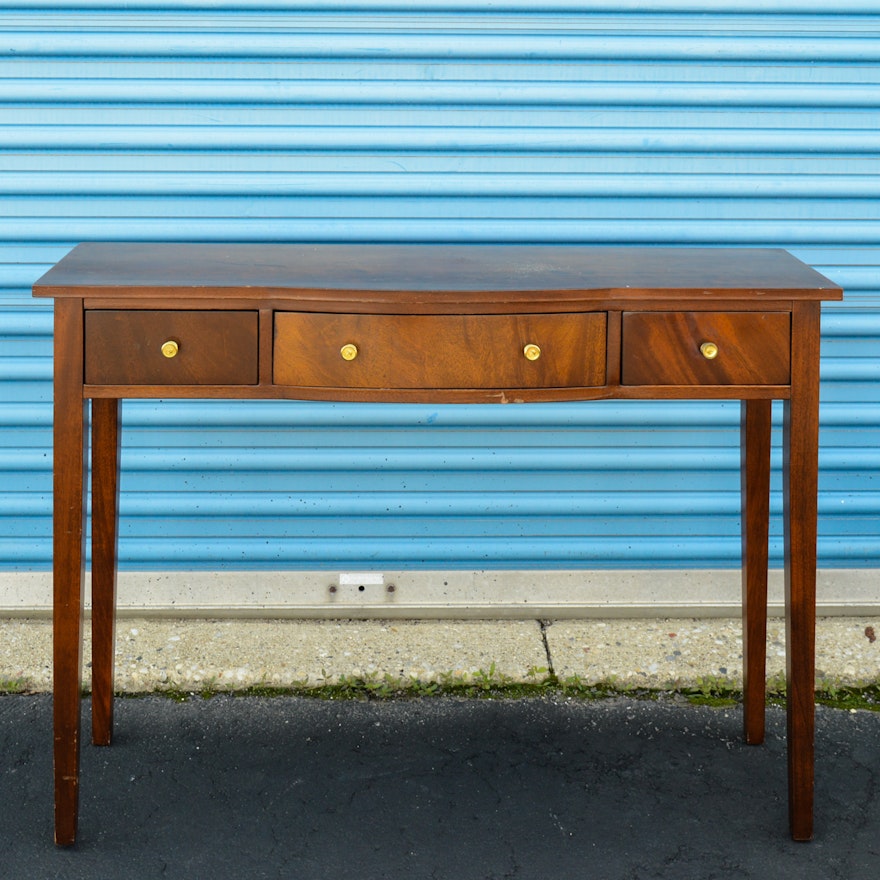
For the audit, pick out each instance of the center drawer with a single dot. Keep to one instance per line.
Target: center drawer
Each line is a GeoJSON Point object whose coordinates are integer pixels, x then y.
{"type": "Point", "coordinates": [439, 351]}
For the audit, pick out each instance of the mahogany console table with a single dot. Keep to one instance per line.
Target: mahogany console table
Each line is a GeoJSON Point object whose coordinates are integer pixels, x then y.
{"type": "Point", "coordinates": [451, 324]}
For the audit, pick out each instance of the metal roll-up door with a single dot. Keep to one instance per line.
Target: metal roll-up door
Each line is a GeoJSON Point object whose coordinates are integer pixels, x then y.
{"type": "Point", "coordinates": [750, 124]}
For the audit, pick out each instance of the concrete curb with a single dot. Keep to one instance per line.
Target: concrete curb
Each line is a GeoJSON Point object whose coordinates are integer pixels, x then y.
{"type": "Point", "coordinates": [186, 654]}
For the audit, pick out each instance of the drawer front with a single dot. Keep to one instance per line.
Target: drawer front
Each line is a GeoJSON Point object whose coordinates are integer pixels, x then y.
{"type": "Point", "coordinates": [706, 348]}
{"type": "Point", "coordinates": [128, 347]}
{"type": "Point", "coordinates": [439, 351]}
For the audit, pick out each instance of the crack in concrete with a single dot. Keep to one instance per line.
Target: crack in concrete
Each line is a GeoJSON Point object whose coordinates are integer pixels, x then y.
{"type": "Point", "coordinates": [545, 625]}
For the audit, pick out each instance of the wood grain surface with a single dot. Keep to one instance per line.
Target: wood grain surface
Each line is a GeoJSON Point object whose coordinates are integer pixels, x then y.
{"type": "Point", "coordinates": [215, 347]}
{"type": "Point", "coordinates": [513, 273]}
{"type": "Point", "coordinates": [440, 351]}
{"type": "Point", "coordinates": [663, 348]}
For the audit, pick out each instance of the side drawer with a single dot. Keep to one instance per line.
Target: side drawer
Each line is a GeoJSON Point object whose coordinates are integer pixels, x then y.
{"type": "Point", "coordinates": [706, 348]}
{"type": "Point", "coordinates": [168, 347]}
{"type": "Point", "coordinates": [439, 351]}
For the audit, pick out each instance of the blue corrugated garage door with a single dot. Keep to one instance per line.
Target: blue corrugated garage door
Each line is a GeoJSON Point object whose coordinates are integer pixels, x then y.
{"type": "Point", "coordinates": [632, 122]}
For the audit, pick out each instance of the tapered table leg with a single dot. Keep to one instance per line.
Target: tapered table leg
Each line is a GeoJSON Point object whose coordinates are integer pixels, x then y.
{"type": "Point", "coordinates": [69, 471]}
{"type": "Point", "coordinates": [755, 431]}
{"type": "Point", "coordinates": [105, 506]}
{"type": "Point", "coordinates": [800, 487]}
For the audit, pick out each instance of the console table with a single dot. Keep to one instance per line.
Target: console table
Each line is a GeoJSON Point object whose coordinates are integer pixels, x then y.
{"type": "Point", "coordinates": [444, 324]}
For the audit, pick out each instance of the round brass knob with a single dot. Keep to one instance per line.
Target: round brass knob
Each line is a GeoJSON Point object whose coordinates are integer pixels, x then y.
{"type": "Point", "coordinates": [349, 351]}
{"type": "Point", "coordinates": [170, 348]}
{"type": "Point", "coordinates": [709, 350]}
{"type": "Point", "coordinates": [532, 351]}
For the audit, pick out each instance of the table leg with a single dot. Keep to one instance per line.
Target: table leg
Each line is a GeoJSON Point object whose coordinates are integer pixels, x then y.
{"type": "Point", "coordinates": [69, 470]}
{"type": "Point", "coordinates": [105, 506]}
{"type": "Point", "coordinates": [800, 488]}
{"type": "Point", "coordinates": [755, 430]}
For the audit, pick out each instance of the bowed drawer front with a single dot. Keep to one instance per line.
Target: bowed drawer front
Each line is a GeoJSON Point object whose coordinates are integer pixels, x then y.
{"type": "Point", "coordinates": [706, 348]}
{"type": "Point", "coordinates": [439, 351]}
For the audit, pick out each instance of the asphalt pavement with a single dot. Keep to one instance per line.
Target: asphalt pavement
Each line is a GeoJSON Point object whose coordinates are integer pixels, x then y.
{"type": "Point", "coordinates": [302, 788]}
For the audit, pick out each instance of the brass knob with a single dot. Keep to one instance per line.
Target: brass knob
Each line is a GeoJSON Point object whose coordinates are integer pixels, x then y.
{"type": "Point", "coordinates": [532, 351]}
{"type": "Point", "coordinates": [170, 348]}
{"type": "Point", "coordinates": [349, 351]}
{"type": "Point", "coordinates": [709, 350]}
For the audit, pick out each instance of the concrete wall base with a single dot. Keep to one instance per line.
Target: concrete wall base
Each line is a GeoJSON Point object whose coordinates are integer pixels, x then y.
{"type": "Point", "coordinates": [444, 594]}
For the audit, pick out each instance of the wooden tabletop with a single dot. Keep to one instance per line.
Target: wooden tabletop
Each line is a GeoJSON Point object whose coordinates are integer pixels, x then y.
{"type": "Point", "coordinates": [482, 271]}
